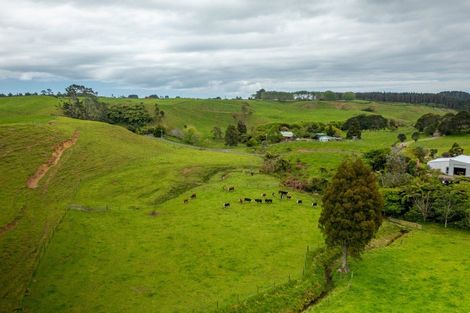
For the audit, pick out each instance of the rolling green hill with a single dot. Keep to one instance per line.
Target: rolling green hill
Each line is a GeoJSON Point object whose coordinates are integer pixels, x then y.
{"type": "Point", "coordinates": [107, 229]}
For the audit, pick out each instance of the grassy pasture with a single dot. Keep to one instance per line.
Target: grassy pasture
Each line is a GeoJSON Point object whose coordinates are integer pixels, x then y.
{"type": "Point", "coordinates": [205, 114]}
{"type": "Point", "coordinates": [426, 271]}
{"type": "Point", "coordinates": [109, 254]}
{"type": "Point", "coordinates": [187, 257]}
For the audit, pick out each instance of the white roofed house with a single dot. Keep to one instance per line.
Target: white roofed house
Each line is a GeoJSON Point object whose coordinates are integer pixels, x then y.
{"type": "Point", "coordinates": [287, 135]}
{"type": "Point", "coordinates": [456, 166]}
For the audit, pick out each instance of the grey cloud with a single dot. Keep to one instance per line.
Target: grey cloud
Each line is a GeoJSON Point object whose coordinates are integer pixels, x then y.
{"type": "Point", "coordinates": [235, 46]}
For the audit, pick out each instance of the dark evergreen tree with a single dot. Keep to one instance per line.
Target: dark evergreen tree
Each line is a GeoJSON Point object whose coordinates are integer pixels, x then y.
{"type": "Point", "coordinates": [352, 209]}
{"type": "Point", "coordinates": [455, 150]}
{"type": "Point", "coordinates": [231, 135]}
{"type": "Point", "coordinates": [401, 137]}
{"type": "Point", "coordinates": [354, 130]}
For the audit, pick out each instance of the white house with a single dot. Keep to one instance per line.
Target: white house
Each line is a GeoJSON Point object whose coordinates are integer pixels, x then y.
{"type": "Point", "coordinates": [327, 138]}
{"type": "Point", "coordinates": [458, 166]}
{"type": "Point", "coordinates": [286, 135]}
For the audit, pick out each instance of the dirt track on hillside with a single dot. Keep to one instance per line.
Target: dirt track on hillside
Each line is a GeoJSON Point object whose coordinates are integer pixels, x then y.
{"type": "Point", "coordinates": [33, 181]}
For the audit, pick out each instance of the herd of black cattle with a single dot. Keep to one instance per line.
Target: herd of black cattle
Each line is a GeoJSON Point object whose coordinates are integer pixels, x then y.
{"type": "Point", "coordinates": [283, 194]}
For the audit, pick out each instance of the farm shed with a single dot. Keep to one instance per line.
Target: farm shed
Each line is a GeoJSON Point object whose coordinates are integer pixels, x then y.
{"type": "Point", "coordinates": [456, 166]}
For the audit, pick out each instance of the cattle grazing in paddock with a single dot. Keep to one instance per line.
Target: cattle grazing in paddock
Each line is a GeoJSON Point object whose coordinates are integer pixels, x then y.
{"type": "Point", "coordinates": [263, 194]}
{"type": "Point", "coordinates": [314, 204]}
{"type": "Point", "coordinates": [259, 200]}
{"type": "Point", "coordinates": [226, 205]}
{"type": "Point", "coordinates": [241, 201]}
{"type": "Point", "coordinates": [231, 188]}
{"type": "Point", "coordinates": [268, 200]}
{"type": "Point", "coordinates": [247, 199]}
{"type": "Point", "coordinates": [273, 194]}
{"type": "Point", "coordinates": [185, 201]}
{"type": "Point", "coordinates": [283, 193]}
{"type": "Point", "coordinates": [193, 196]}
{"type": "Point", "coordinates": [299, 201]}
{"type": "Point", "coordinates": [289, 197]}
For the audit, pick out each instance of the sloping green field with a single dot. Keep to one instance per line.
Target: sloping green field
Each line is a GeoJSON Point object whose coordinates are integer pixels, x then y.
{"type": "Point", "coordinates": [107, 230]}
{"type": "Point", "coordinates": [426, 271]}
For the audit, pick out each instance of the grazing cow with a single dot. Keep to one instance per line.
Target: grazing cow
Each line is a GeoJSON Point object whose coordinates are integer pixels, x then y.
{"type": "Point", "coordinates": [241, 200]}
{"type": "Point", "coordinates": [193, 196]}
{"type": "Point", "coordinates": [231, 188]}
{"type": "Point", "coordinates": [314, 204]}
{"type": "Point", "coordinates": [299, 201]}
{"type": "Point", "coordinates": [185, 201]}
{"type": "Point", "coordinates": [226, 205]}
{"type": "Point", "coordinates": [268, 200]}
{"type": "Point", "coordinates": [252, 173]}
{"type": "Point", "coordinates": [289, 197]}
{"type": "Point", "coordinates": [273, 194]}
{"type": "Point", "coordinates": [247, 199]}
{"type": "Point", "coordinates": [263, 194]}
{"type": "Point", "coordinates": [259, 200]}
{"type": "Point", "coordinates": [283, 193]}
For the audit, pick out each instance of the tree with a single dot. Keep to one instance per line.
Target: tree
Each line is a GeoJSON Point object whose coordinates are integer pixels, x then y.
{"type": "Point", "coordinates": [354, 131]}
{"type": "Point", "coordinates": [349, 95]}
{"type": "Point", "coordinates": [231, 135]}
{"type": "Point", "coordinates": [352, 209]}
{"type": "Point", "coordinates": [158, 114]}
{"type": "Point", "coordinates": [455, 150]}
{"type": "Point", "coordinates": [216, 133]}
{"type": "Point", "coordinates": [415, 136]}
{"type": "Point", "coordinates": [401, 137]}
{"type": "Point", "coordinates": [377, 158]}
{"type": "Point", "coordinates": [420, 153]}
{"type": "Point", "coordinates": [329, 95]}
{"type": "Point", "coordinates": [449, 201]}
{"type": "Point", "coordinates": [191, 135]}
{"type": "Point", "coordinates": [82, 103]}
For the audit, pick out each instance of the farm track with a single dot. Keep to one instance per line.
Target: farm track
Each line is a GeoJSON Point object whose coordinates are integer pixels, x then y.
{"type": "Point", "coordinates": [33, 181]}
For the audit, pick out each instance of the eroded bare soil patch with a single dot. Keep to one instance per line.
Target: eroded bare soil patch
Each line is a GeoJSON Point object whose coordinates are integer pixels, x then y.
{"type": "Point", "coordinates": [33, 181]}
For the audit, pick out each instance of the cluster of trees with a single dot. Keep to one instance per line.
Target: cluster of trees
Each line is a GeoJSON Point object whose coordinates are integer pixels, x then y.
{"type": "Point", "coordinates": [302, 95]}
{"type": "Point", "coordinates": [427, 199]}
{"type": "Point", "coordinates": [449, 99]}
{"type": "Point", "coordinates": [458, 100]}
{"type": "Point", "coordinates": [234, 134]}
{"type": "Point", "coordinates": [447, 124]}
{"type": "Point", "coordinates": [365, 122]}
{"type": "Point", "coordinates": [82, 102]}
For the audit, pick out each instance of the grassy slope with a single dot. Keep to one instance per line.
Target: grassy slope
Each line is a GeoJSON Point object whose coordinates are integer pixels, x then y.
{"type": "Point", "coordinates": [110, 166]}
{"type": "Point", "coordinates": [188, 257]}
{"type": "Point", "coordinates": [427, 271]}
{"type": "Point", "coordinates": [205, 114]}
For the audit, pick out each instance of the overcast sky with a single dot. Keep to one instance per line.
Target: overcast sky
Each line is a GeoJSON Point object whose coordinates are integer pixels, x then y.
{"type": "Point", "coordinates": [206, 48]}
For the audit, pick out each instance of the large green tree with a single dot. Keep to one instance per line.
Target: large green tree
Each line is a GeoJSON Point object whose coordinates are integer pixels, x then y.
{"type": "Point", "coordinates": [231, 136]}
{"type": "Point", "coordinates": [352, 209]}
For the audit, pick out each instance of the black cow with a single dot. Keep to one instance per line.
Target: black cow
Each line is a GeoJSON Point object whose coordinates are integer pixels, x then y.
{"type": "Point", "coordinates": [185, 201]}
{"type": "Point", "coordinates": [268, 200]}
{"type": "Point", "coordinates": [314, 204]}
{"type": "Point", "coordinates": [247, 199]}
{"type": "Point", "coordinates": [283, 193]}
{"type": "Point", "coordinates": [299, 201]}
{"type": "Point", "coordinates": [231, 188]}
{"type": "Point", "coordinates": [193, 196]}
{"type": "Point", "coordinates": [259, 200]}
{"type": "Point", "coordinates": [226, 205]}
{"type": "Point", "coordinates": [289, 197]}
{"type": "Point", "coordinates": [263, 194]}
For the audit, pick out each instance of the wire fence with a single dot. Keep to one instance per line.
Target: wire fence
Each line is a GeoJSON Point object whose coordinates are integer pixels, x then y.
{"type": "Point", "coordinates": [237, 299]}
